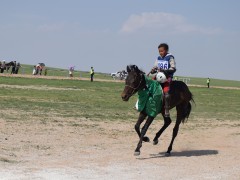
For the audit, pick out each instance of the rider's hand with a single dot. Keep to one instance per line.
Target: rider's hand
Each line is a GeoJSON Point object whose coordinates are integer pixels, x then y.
{"type": "Point", "coordinates": [154, 70]}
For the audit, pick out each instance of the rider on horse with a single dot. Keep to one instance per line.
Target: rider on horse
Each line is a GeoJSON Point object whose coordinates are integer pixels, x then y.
{"type": "Point", "coordinates": [165, 63]}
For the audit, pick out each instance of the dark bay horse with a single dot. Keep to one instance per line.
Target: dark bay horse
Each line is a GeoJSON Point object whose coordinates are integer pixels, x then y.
{"type": "Point", "coordinates": [180, 97]}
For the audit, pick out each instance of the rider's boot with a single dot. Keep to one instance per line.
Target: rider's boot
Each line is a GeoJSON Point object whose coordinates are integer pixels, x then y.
{"type": "Point", "coordinates": [167, 104]}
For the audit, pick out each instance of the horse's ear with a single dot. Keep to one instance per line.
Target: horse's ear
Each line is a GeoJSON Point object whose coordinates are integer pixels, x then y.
{"type": "Point", "coordinates": [136, 69]}
{"type": "Point", "coordinates": [132, 68]}
{"type": "Point", "coordinates": [128, 69]}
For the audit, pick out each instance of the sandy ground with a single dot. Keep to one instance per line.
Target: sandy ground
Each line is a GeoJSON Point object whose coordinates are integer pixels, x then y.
{"type": "Point", "coordinates": [90, 149]}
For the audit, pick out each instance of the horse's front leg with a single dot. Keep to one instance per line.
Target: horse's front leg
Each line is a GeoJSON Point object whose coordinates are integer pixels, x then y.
{"type": "Point", "coordinates": [141, 118]}
{"type": "Point", "coordinates": [143, 132]}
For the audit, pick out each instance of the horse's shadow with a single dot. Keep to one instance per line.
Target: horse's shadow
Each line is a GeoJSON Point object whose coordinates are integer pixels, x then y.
{"type": "Point", "coordinates": [188, 153]}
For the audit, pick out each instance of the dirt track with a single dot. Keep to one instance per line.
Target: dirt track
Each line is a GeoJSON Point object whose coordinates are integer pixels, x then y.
{"type": "Point", "coordinates": [85, 149]}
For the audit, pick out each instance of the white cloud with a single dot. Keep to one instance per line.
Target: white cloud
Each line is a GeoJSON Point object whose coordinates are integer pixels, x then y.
{"type": "Point", "coordinates": [167, 22]}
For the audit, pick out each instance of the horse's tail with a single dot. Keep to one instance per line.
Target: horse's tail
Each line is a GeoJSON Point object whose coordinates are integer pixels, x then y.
{"type": "Point", "coordinates": [185, 99]}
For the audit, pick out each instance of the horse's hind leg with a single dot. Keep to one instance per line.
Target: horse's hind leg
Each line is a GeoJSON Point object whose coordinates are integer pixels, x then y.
{"type": "Point", "coordinates": [174, 135]}
{"type": "Point", "coordinates": [167, 122]}
{"type": "Point", "coordinates": [141, 118]}
{"type": "Point", "coordinates": [143, 132]}
{"type": "Point", "coordinates": [180, 111]}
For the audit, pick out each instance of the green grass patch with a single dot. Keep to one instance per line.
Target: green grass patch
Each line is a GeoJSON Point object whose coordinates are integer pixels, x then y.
{"type": "Point", "coordinates": [99, 101]}
{"type": "Point", "coordinates": [219, 104]}
{"type": "Point", "coordinates": [213, 82]}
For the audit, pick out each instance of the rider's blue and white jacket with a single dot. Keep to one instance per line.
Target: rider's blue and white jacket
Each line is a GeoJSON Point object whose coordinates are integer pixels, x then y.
{"type": "Point", "coordinates": [166, 63]}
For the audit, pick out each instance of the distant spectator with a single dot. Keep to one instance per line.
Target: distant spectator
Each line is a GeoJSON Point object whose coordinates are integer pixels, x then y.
{"type": "Point", "coordinates": [34, 70]}
{"type": "Point", "coordinates": [37, 69]}
{"type": "Point", "coordinates": [3, 66]}
{"type": "Point", "coordinates": [17, 68]}
{"type": "Point", "coordinates": [0, 66]}
{"type": "Point", "coordinates": [71, 70]}
{"type": "Point", "coordinates": [91, 73]}
{"type": "Point", "coordinates": [208, 82]}
{"type": "Point", "coordinates": [14, 67]}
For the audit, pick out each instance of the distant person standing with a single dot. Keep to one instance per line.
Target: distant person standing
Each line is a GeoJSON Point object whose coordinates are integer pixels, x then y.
{"type": "Point", "coordinates": [71, 70]}
{"type": "Point", "coordinates": [208, 82]}
{"type": "Point", "coordinates": [34, 70]}
{"type": "Point", "coordinates": [14, 67]}
{"type": "Point", "coordinates": [3, 66]}
{"type": "Point", "coordinates": [17, 68]}
{"type": "Point", "coordinates": [91, 73]}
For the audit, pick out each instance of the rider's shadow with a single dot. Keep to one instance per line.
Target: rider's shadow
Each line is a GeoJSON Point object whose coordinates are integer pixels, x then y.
{"type": "Point", "coordinates": [188, 153]}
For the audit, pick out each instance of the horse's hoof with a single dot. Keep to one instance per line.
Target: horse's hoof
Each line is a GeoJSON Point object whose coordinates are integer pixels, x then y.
{"type": "Point", "coordinates": [136, 153]}
{"type": "Point", "coordinates": [167, 154]}
{"type": "Point", "coordinates": [155, 142]}
{"type": "Point", "coordinates": [146, 139]}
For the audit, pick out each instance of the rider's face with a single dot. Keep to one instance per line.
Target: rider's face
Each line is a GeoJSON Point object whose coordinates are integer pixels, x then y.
{"type": "Point", "coordinates": [162, 51]}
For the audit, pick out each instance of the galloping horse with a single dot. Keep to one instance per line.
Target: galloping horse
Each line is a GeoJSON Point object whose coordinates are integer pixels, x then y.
{"type": "Point", "coordinates": [180, 97]}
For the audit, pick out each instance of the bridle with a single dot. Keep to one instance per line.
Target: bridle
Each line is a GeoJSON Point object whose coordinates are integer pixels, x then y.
{"type": "Point", "coordinates": [135, 88]}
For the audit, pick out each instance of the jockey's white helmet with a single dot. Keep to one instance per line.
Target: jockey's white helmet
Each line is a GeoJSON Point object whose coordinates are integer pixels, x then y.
{"type": "Point", "coordinates": [161, 77]}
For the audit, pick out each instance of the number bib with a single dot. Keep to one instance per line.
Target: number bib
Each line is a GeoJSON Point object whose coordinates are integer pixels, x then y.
{"type": "Point", "coordinates": [162, 64]}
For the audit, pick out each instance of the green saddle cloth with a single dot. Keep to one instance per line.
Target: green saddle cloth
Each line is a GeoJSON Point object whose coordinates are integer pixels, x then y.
{"type": "Point", "coordinates": [150, 98]}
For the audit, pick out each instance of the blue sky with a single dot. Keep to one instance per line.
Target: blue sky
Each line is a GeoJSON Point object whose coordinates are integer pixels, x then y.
{"type": "Point", "coordinates": [203, 35]}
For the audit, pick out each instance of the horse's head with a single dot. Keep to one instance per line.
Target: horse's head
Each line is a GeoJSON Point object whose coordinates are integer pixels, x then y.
{"type": "Point", "coordinates": [134, 82]}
